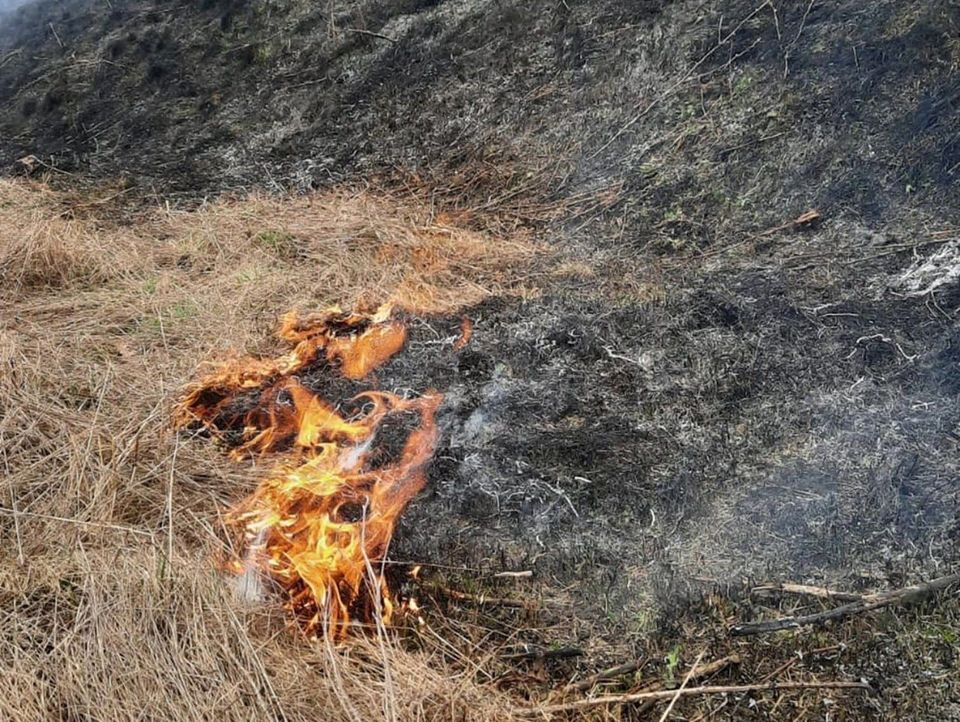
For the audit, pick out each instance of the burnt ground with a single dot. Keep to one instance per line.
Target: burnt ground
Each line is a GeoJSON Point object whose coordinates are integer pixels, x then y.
{"type": "Point", "coordinates": [693, 402]}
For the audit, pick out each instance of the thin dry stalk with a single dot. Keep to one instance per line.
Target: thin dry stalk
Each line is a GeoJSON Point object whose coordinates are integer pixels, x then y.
{"type": "Point", "coordinates": [683, 686]}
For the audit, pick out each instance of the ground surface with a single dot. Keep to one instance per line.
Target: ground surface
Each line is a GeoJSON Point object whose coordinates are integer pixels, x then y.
{"type": "Point", "coordinates": [699, 394]}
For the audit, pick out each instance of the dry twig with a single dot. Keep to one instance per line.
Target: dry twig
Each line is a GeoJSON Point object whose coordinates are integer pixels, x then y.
{"type": "Point", "coordinates": [526, 574]}
{"type": "Point", "coordinates": [361, 31]}
{"type": "Point", "coordinates": [688, 692]}
{"type": "Point", "coordinates": [686, 681]}
{"type": "Point", "coordinates": [906, 595]}
{"type": "Point", "coordinates": [699, 672]}
{"type": "Point", "coordinates": [604, 674]}
{"type": "Point", "coordinates": [807, 590]}
{"type": "Point", "coordinates": [482, 599]}
{"type": "Point", "coordinates": [544, 653]}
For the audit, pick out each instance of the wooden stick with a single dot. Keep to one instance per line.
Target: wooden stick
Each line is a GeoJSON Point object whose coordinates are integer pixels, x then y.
{"type": "Point", "coordinates": [699, 672]}
{"type": "Point", "coordinates": [526, 574]}
{"type": "Point", "coordinates": [609, 673]}
{"type": "Point", "coordinates": [785, 666]}
{"type": "Point", "coordinates": [9, 56]}
{"type": "Point", "coordinates": [718, 665]}
{"type": "Point", "coordinates": [906, 595]}
{"type": "Point", "coordinates": [809, 591]}
{"type": "Point", "coordinates": [52, 30]}
{"type": "Point", "coordinates": [485, 600]}
{"type": "Point", "coordinates": [544, 653]}
{"type": "Point", "coordinates": [688, 692]}
{"type": "Point", "coordinates": [361, 31]}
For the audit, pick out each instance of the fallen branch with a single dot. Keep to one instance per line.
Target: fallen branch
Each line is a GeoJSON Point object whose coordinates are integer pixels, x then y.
{"type": "Point", "coordinates": [9, 56]}
{"type": "Point", "coordinates": [710, 668]}
{"type": "Point", "coordinates": [699, 672]}
{"type": "Point", "coordinates": [688, 692]}
{"type": "Point", "coordinates": [361, 31]}
{"type": "Point", "coordinates": [482, 599]}
{"type": "Point", "coordinates": [57, 37]}
{"type": "Point", "coordinates": [526, 574]}
{"type": "Point", "coordinates": [782, 668]}
{"type": "Point", "coordinates": [808, 591]}
{"type": "Point", "coordinates": [604, 674]}
{"type": "Point", "coordinates": [544, 653]}
{"type": "Point", "coordinates": [906, 595]}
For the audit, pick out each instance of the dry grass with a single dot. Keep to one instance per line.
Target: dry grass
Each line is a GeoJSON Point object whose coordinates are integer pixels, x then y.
{"type": "Point", "coordinates": [111, 606]}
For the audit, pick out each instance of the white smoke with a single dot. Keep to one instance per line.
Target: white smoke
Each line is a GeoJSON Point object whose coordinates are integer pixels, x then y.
{"type": "Point", "coordinates": [9, 5]}
{"type": "Point", "coordinates": [351, 457]}
{"type": "Point", "coordinates": [248, 586]}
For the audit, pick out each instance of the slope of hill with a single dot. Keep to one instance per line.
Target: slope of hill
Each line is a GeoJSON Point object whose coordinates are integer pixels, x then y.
{"type": "Point", "coordinates": [702, 384]}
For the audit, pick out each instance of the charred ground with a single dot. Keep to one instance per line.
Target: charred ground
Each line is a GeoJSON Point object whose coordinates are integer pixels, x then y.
{"type": "Point", "coordinates": [694, 400]}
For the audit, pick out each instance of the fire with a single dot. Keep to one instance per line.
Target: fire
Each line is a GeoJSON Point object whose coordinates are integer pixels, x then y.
{"type": "Point", "coordinates": [466, 333]}
{"type": "Point", "coordinates": [321, 520]}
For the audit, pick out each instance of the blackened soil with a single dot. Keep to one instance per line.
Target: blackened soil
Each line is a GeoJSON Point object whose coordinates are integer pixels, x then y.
{"type": "Point", "coordinates": [845, 106]}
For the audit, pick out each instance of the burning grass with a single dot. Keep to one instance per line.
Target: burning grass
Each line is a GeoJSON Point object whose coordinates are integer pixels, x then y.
{"type": "Point", "coordinates": [110, 601]}
{"type": "Point", "coordinates": [320, 522]}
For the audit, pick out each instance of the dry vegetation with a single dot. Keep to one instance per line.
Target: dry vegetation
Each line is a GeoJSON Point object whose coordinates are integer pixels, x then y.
{"type": "Point", "coordinates": [699, 405]}
{"type": "Point", "coordinates": [111, 604]}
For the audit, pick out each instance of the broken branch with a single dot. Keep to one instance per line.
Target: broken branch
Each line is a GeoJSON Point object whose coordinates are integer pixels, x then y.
{"type": "Point", "coordinates": [543, 653]}
{"type": "Point", "coordinates": [688, 692]}
{"type": "Point", "coordinates": [485, 600]}
{"type": "Point", "coordinates": [906, 595]}
{"type": "Point", "coordinates": [361, 31]}
{"type": "Point", "coordinates": [526, 574]}
{"type": "Point", "coordinates": [699, 672]}
{"type": "Point", "coordinates": [683, 686]}
{"type": "Point", "coordinates": [604, 674]}
{"type": "Point", "coordinates": [809, 591]}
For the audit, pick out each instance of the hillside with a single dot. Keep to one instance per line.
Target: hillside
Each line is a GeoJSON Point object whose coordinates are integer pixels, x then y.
{"type": "Point", "coordinates": [710, 252]}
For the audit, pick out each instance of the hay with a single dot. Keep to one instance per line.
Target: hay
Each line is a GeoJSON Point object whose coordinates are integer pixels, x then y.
{"type": "Point", "coordinates": [111, 606]}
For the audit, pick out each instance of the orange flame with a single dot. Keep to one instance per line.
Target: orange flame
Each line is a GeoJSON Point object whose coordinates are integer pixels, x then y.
{"type": "Point", "coordinates": [321, 520]}
{"type": "Point", "coordinates": [466, 333]}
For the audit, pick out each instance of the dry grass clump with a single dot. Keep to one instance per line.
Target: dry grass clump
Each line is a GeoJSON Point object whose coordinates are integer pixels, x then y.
{"type": "Point", "coordinates": [115, 630]}
{"type": "Point", "coordinates": [359, 244]}
{"type": "Point", "coordinates": [41, 245]}
{"type": "Point", "coordinates": [111, 605]}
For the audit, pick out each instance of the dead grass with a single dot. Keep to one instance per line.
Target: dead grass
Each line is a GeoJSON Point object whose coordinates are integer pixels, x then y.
{"type": "Point", "coordinates": [111, 606]}
{"type": "Point", "coordinates": [42, 246]}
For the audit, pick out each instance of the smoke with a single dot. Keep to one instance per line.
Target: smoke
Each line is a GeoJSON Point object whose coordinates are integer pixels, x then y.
{"type": "Point", "coordinates": [9, 5]}
{"type": "Point", "coordinates": [248, 586]}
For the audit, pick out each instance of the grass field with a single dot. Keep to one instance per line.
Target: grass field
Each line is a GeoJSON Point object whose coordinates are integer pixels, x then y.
{"type": "Point", "coordinates": [675, 396]}
{"type": "Point", "coordinates": [113, 605]}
